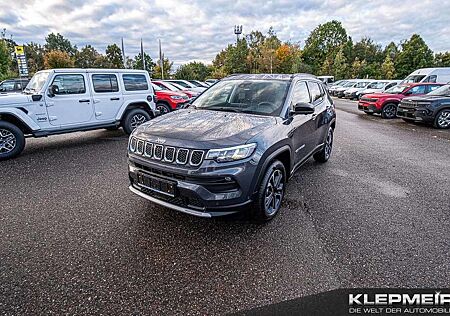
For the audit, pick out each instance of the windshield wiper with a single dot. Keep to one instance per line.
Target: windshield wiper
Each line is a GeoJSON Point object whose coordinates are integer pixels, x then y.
{"type": "Point", "coordinates": [224, 109]}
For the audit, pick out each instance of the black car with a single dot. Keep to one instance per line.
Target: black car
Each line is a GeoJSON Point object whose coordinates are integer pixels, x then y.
{"type": "Point", "coordinates": [235, 146]}
{"type": "Point", "coordinates": [13, 85]}
{"type": "Point", "coordinates": [432, 108]}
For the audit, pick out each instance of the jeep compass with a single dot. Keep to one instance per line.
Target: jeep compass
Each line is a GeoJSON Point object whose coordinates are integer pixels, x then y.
{"type": "Point", "coordinates": [235, 147]}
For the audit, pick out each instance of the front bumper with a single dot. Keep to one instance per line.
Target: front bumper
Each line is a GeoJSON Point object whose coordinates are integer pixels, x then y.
{"type": "Point", "coordinates": [415, 114]}
{"type": "Point", "coordinates": [224, 190]}
{"type": "Point", "coordinates": [368, 107]}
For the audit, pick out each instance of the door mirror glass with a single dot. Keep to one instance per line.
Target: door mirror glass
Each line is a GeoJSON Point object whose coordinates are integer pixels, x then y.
{"type": "Point", "coordinates": [303, 108]}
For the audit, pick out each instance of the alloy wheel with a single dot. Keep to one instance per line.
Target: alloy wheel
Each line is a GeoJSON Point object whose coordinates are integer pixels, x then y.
{"type": "Point", "coordinates": [7, 141]}
{"type": "Point", "coordinates": [162, 109]}
{"type": "Point", "coordinates": [390, 110]}
{"type": "Point", "coordinates": [443, 120]}
{"type": "Point", "coordinates": [329, 143]}
{"type": "Point", "coordinates": [274, 192]}
{"type": "Point", "coordinates": [137, 120]}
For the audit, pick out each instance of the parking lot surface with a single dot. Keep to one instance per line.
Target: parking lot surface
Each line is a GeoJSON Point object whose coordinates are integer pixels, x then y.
{"type": "Point", "coordinates": [75, 240]}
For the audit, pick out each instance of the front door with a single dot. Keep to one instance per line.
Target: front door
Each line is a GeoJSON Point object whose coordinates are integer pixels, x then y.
{"type": "Point", "coordinates": [72, 104]}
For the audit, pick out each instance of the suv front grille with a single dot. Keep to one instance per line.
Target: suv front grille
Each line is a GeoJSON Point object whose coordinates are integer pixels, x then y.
{"type": "Point", "coordinates": [180, 156]}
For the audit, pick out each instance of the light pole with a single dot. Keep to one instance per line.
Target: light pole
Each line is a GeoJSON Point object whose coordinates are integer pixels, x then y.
{"type": "Point", "coordinates": [237, 31]}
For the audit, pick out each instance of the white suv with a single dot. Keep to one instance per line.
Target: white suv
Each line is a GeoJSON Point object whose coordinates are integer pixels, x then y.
{"type": "Point", "coordinates": [69, 100]}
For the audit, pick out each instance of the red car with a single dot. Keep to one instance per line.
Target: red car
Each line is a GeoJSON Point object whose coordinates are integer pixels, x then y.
{"type": "Point", "coordinates": [386, 103]}
{"type": "Point", "coordinates": [169, 100]}
{"type": "Point", "coordinates": [176, 88]}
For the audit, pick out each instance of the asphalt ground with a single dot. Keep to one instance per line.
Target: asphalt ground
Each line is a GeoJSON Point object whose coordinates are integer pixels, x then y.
{"type": "Point", "coordinates": [74, 240]}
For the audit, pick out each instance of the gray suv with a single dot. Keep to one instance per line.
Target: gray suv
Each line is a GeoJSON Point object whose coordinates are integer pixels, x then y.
{"type": "Point", "coordinates": [234, 147]}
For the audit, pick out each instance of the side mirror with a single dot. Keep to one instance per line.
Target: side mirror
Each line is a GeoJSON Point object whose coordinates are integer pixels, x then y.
{"type": "Point", "coordinates": [408, 92]}
{"type": "Point", "coordinates": [53, 90]}
{"type": "Point", "coordinates": [303, 108]}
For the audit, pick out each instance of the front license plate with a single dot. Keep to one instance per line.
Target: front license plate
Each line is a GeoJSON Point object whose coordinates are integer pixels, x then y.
{"type": "Point", "coordinates": [157, 184]}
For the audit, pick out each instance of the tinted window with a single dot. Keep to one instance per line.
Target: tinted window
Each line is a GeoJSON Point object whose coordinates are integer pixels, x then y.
{"type": "Point", "coordinates": [105, 83]}
{"type": "Point", "coordinates": [314, 91]}
{"type": "Point", "coordinates": [300, 93]}
{"type": "Point", "coordinates": [431, 78]}
{"type": "Point", "coordinates": [70, 84]}
{"type": "Point", "coordinates": [7, 86]}
{"type": "Point", "coordinates": [135, 82]}
{"type": "Point", "coordinates": [417, 90]}
{"type": "Point", "coordinates": [432, 88]}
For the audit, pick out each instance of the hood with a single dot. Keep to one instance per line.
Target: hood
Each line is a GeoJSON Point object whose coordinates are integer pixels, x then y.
{"type": "Point", "coordinates": [14, 98]}
{"type": "Point", "coordinates": [383, 95]}
{"type": "Point", "coordinates": [429, 98]}
{"type": "Point", "coordinates": [371, 90]}
{"type": "Point", "coordinates": [204, 128]}
{"type": "Point", "coordinates": [170, 93]}
{"type": "Point", "coordinates": [351, 90]}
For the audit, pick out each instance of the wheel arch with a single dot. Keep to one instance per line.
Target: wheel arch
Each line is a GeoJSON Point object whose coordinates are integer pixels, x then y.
{"type": "Point", "coordinates": [17, 120]}
{"type": "Point", "coordinates": [135, 105]}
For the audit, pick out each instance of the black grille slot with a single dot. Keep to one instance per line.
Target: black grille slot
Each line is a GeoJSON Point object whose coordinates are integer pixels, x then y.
{"type": "Point", "coordinates": [169, 154]}
{"type": "Point", "coordinates": [140, 147]}
{"type": "Point", "coordinates": [196, 157]}
{"type": "Point", "coordinates": [182, 156]}
{"type": "Point", "coordinates": [158, 154]}
{"type": "Point", "coordinates": [148, 151]}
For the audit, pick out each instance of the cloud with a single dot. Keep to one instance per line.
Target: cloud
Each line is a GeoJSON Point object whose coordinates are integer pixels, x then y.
{"type": "Point", "coordinates": [197, 30]}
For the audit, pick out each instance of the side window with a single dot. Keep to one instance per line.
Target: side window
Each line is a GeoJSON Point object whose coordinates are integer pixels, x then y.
{"type": "Point", "coordinates": [417, 90]}
{"type": "Point", "coordinates": [431, 78]}
{"type": "Point", "coordinates": [7, 86]}
{"type": "Point", "coordinates": [135, 82]}
{"type": "Point", "coordinates": [300, 93]}
{"type": "Point", "coordinates": [105, 83]}
{"type": "Point", "coordinates": [432, 88]}
{"type": "Point", "coordinates": [314, 90]}
{"type": "Point", "coordinates": [70, 84]}
{"type": "Point", "coordinates": [390, 85]}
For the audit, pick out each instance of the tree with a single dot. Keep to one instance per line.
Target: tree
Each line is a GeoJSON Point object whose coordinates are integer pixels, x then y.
{"type": "Point", "coordinates": [388, 68]}
{"type": "Point", "coordinates": [324, 41]}
{"type": "Point", "coordinates": [114, 55]}
{"type": "Point", "coordinates": [86, 57]}
{"type": "Point", "coordinates": [167, 65]}
{"type": "Point", "coordinates": [285, 55]}
{"type": "Point", "coordinates": [415, 54]}
{"type": "Point", "coordinates": [149, 64]}
{"type": "Point", "coordinates": [57, 42]}
{"type": "Point", "coordinates": [193, 71]}
{"type": "Point", "coordinates": [236, 58]}
{"type": "Point", "coordinates": [442, 59]}
{"type": "Point", "coordinates": [358, 68]}
{"type": "Point", "coordinates": [35, 57]}
{"type": "Point", "coordinates": [340, 65]}
{"type": "Point", "coordinates": [366, 50]}
{"type": "Point", "coordinates": [391, 49]}
{"type": "Point", "coordinates": [57, 59]}
{"type": "Point", "coordinates": [5, 61]}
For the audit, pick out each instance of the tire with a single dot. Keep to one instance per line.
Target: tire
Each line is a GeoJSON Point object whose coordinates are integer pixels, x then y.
{"type": "Point", "coordinates": [324, 154]}
{"type": "Point", "coordinates": [442, 119]}
{"type": "Point", "coordinates": [12, 140]}
{"type": "Point", "coordinates": [264, 208]}
{"type": "Point", "coordinates": [389, 111]}
{"type": "Point", "coordinates": [164, 108]}
{"type": "Point", "coordinates": [133, 119]}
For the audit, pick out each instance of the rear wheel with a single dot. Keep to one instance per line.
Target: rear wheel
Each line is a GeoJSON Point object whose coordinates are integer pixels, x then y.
{"type": "Point", "coordinates": [324, 154]}
{"type": "Point", "coordinates": [442, 119]}
{"type": "Point", "coordinates": [163, 108]}
{"type": "Point", "coordinates": [271, 192]}
{"type": "Point", "coordinates": [12, 140]}
{"type": "Point", "coordinates": [389, 111]}
{"type": "Point", "coordinates": [133, 119]}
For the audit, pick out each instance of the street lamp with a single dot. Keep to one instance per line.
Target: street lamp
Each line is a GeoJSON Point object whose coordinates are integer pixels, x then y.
{"type": "Point", "coordinates": [237, 31]}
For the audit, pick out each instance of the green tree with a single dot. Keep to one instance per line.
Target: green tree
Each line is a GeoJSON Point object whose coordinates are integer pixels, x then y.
{"type": "Point", "coordinates": [358, 68]}
{"type": "Point", "coordinates": [388, 68]}
{"type": "Point", "coordinates": [236, 58]}
{"type": "Point", "coordinates": [442, 59]}
{"type": "Point", "coordinates": [167, 68]}
{"type": "Point", "coordinates": [415, 54]}
{"type": "Point", "coordinates": [114, 55]}
{"type": "Point", "coordinates": [35, 57]}
{"type": "Point", "coordinates": [367, 50]}
{"type": "Point", "coordinates": [324, 41]}
{"type": "Point", "coordinates": [5, 61]}
{"type": "Point", "coordinates": [340, 65]}
{"type": "Point", "coordinates": [86, 57]}
{"type": "Point", "coordinates": [391, 49]}
{"type": "Point", "coordinates": [57, 42]}
{"type": "Point", "coordinates": [193, 71]}
{"type": "Point", "coordinates": [149, 64]}
{"type": "Point", "coordinates": [57, 59]}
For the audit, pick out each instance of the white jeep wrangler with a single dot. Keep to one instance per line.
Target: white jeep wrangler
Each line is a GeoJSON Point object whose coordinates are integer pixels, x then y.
{"type": "Point", "coordinates": [70, 100]}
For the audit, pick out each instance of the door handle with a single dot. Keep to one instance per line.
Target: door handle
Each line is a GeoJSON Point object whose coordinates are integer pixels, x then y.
{"type": "Point", "coordinates": [84, 101]}
{"type": "Point", "coordinates": [115, 99]}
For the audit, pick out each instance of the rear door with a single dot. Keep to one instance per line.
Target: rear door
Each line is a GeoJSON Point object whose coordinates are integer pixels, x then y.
{"type": "Point", "coordinates": [106, 95]}
{"type": "Point", "coordinates": [318, 97]}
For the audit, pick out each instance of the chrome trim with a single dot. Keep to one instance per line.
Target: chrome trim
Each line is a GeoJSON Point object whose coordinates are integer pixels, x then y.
{"type": "Point", "coordinates": [137, 147]}
{"type": "Point", "coordinates": [154, 152]}
{"type": "Point", "coordinates": [145, 149]}
{"type": "Point", "coordinates": [187, 156]}
{"type": "Point", "coordinates": [165, 153]}
{"type": "Point", "coordinates": [168, 205]}
{"type": "Point", "coordinates": [201, 158]}
{"type": "Point", "coordinates": [132, 149]}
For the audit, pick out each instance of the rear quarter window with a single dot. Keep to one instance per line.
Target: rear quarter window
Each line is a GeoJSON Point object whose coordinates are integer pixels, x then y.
{"type": "Point", "coordinates": [134, 82]}
{"type": "Point", "coordinates": [105, 83]}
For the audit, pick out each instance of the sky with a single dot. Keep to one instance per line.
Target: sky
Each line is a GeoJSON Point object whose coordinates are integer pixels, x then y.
{"type": "Point", "coordinates": [196, 30]}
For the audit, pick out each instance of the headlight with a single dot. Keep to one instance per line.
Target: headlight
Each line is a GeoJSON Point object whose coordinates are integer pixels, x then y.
{"type": "Point", "coordinates": [231, 153]}
{"type": "Point", "coordinates": [176, 97]}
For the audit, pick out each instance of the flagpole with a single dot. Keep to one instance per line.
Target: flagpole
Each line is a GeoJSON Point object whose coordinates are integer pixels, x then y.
{"type": "Point", "coordinates": [142, 55]}
{"type": "Point", "coordinates": [161, 60]}
{"type": "Point", "coordinates": [123, 55]}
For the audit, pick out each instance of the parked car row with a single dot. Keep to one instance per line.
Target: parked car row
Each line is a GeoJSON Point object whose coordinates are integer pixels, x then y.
{"type": "Point", "coordinates": [354, 89]}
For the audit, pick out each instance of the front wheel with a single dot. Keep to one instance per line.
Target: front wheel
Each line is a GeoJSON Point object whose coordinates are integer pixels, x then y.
{"type": "Point", "coordinates": [442, 119]}
{"type": "Point", "coordinates": [389, 111]}
{"type": "Point", "coordinates": [163, 108]}
{"type": "Point", "coordinates": [12, 140]}
{"type": "Point", "coordinates": [271, 192]}
{"type": "Point", "coordinates": [324, 154]}
{"type": "Point", "coordinates": [133, 119]}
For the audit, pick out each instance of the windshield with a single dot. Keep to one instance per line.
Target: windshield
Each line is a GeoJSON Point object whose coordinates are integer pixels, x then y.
{"type": "Point", "coordinates": [377, 85]}
{"type": "Point", "coordinates": [443, 91]}
{"type": "Point", "coordinates": [156, 87]}
{"type": "Point", "coordinates": [397, 89]}
{"type": "Point", "coordinates": [361, 84]}
{"type": "Point", "coordinates": [176, 86]}
{"type": "Point", "coordinates": [37, 82]}
{"type": "Point", "coordinates": [182, 83]}
{"type": "Point", "coordinates": [263, 97]}
{"type": "Point", "coordinates": [413, 79]}
{"type": "Point", "coordinates": [349, 84]}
